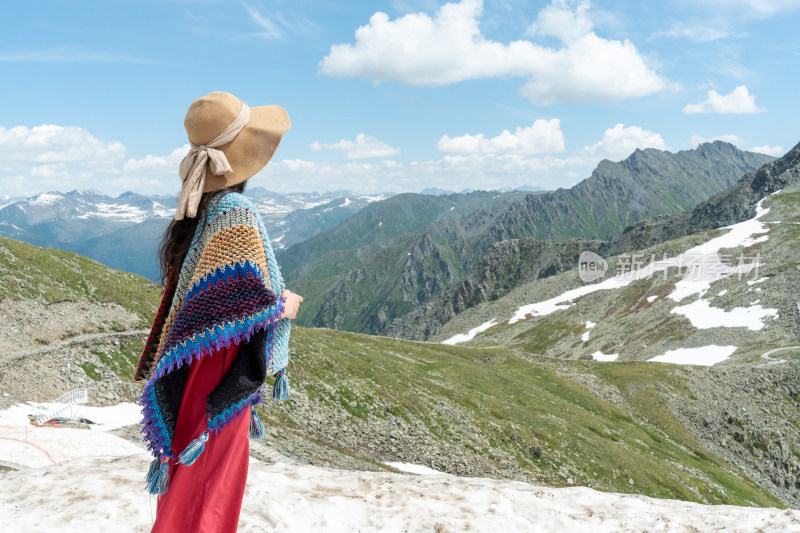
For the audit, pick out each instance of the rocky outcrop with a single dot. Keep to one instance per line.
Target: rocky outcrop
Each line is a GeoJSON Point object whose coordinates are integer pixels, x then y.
{"type": "Point", "coordinates": [506, 265]}
{"type": "Point", "coordinates": [491, 279]}
{"type": "Point", "coordinates": [748, 415]}
{"type": "Point", "coordinates": [650, 182]}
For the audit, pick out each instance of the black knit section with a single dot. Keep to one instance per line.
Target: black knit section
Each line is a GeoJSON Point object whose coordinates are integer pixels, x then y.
{"type": "Point", "coordinates": [169, 390]}
{"type": "Point", "coordinates": [245, 375]}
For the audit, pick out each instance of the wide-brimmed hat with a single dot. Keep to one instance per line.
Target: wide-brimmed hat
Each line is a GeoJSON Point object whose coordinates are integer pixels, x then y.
{"type": "Point", "coordinates": [230, 143]}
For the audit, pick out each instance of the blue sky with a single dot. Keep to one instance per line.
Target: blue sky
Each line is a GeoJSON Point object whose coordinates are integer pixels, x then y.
{"type": "Point", "coordinates": [390, 96]}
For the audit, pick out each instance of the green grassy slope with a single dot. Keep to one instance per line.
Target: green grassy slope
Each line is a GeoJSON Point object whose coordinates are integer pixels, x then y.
{"type": "Point", "coordinates": [527, 419]}
{"type": "Point", "coordinates": [49, 275]}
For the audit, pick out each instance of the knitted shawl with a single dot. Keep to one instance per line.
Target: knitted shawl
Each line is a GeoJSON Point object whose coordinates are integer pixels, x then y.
{"type": "Point", "coordinates": [227, 291]}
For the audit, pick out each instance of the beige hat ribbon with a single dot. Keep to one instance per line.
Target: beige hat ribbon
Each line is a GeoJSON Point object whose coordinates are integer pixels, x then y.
{"type": "Point", "coordinates": [193, 166]}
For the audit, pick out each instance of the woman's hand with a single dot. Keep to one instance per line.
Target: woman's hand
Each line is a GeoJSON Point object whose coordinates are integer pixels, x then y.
{"type": "Point", "coordinates": [292, 304]}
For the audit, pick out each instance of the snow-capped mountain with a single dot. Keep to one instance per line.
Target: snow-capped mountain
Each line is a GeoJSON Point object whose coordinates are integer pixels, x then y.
{"type": "Point", "coordinates": [294, 217]}
{"type": "Point", "coordinates": [124, 231]}
{"type": "Point", "coordinates": [83, 205]}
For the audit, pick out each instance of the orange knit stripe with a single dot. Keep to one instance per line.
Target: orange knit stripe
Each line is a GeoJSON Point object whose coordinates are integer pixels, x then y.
{"type": "Point", "coordinates": [231, 245]}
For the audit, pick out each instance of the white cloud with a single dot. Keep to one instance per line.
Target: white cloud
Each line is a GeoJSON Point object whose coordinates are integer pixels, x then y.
{"type": "Point", "coordinates": [152, 164]}
{"type": "Point", "coordinates": [476, 171]}
{"type": "Point", "coordinates": [21, 147]}
{"type": "Point", "coordinates": [699, 33]}
{"type": "Point", "coordinates": [362, 147]}
{"type": "Point", "coordinates": [418, 49]}
{"type": "Point", "coordinates": [727, 137]}
{"type": "Point", "coordinates": [738, 101]}
{"type": "Point", "coordinates": [619, 142]}
{"type": "Point", "coordinates": [470, 161]}
{"type": "Point", "coordinates": [559, 20]}
{"type": "Point", "coordinates": [543, 137]}
{"type": "Point", "coordinates": [279, 26]}
{"type": "Point", "coordinates": [777, 151]}
{"type": "Point", "coordinates": [49, 172]}
{"type": "Point", "coordinates": [50, 157]}
{"type": "Point", "coordinates": [142, 184]}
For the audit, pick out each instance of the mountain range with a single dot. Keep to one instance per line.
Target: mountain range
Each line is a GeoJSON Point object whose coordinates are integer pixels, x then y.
{"type": "Point", "coordinates": [515, 262]}
{"type": "Point", "coordinates": [391, 259]}
{"type": "Point", "coordinates": [124, 231]}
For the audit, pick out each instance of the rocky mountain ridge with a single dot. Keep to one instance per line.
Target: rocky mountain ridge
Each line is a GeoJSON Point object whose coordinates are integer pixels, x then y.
{"type": "Point", "coordinates": [509, 264]}
{"type": "Point", "coordinates": [366, 278]}
{"type": "Point", "coordinates": [744, 404]}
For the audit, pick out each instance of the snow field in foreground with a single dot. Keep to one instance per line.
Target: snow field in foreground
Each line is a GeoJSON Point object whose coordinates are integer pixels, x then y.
{"type": "Point", "coordinates": [107, 494]}
{"type": "Point", "coordinates": [97, 484]}
{"type": "Point", "coordinates": [22, 444]}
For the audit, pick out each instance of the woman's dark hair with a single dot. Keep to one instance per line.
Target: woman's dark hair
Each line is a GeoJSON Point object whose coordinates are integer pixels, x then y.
{"type": "Point", "coordinates": [178, 236]}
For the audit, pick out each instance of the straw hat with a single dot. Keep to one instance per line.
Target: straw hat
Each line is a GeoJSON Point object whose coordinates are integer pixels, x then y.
{"type": "Point", "coordinates": [253, 146]}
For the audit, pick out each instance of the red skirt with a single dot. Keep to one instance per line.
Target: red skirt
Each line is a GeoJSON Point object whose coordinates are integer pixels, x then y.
{"type": "Point", "coordinates": [206, 496]}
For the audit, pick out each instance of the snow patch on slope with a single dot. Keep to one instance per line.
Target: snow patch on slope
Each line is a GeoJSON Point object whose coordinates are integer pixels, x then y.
{"type": "Point", "coordinates": [585, 334]}
{"type": "Point", "coordinates": [412, 468]}
{"type": "Point", "coordinates": [600, 356]}
{"type": "Point", "coordinates": [703, 316]}
{"type": "Point", "coordinates": [464, 337]}
{"type": "Point", "coordinates": [702, 355]}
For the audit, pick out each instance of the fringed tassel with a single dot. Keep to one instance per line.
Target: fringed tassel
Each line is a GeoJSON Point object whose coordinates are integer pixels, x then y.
{"type": "Point", "coordinates": [153, 469]}
{"type": "Point", "coordinates": [256, 426]}
{"type": "Point", "coordinates": [281, 389]}
{"type": "Point", "coordinates": [159, 482]}
{"type": "Point", "coordinates": [193, 449]}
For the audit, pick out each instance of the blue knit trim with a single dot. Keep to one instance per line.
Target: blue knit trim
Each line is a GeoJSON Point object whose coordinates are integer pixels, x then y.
{"type": "Point", "coordinates": [215, 338]}
{"type": "Point", "coordinates": [152, 417]}
{"type": "Point", "coordinates": [226, 417]}
{"type": "Point", "coordinates": [191, 351]}
{"type": "Point", "coordinates": [223, 274]}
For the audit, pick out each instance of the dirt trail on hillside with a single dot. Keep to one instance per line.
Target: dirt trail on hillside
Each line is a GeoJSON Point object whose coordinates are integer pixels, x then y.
{"type": "Point", "coordinates": [47, 350]}
{"type": "Point", "coordinates": [28, 324]}
{"type": "Point", "coordinates": [81, 339]}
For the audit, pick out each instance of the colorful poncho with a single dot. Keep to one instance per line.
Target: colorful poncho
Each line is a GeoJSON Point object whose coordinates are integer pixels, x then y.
{"type": "Point", "coordinates": [228, 290]}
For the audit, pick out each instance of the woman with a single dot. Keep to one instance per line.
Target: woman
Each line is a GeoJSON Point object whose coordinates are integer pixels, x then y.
{"type": "Point", "coordinates": [223, 324]}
